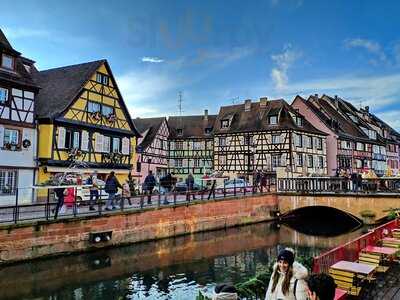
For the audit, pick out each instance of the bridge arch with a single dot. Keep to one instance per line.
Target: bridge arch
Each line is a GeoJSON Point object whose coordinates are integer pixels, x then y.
{"type": "Point", "coordinates": [352, 204]}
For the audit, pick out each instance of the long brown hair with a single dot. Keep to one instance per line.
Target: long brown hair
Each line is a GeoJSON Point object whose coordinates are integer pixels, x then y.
{"type": "Point", "coordinates": [286, 280]}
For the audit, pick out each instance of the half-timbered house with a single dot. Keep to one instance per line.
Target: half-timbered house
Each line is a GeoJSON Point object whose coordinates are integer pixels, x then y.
{"type": "Point", "coordinates": [152, 148]}
{"type": "Point", "coordinates": [83, 122]}
{"type": "Point", "coordinates": [268, 135]}
{"type": "Point", "coordinates": [191, 145]}
{"type": "Point", "coordinates": [17, 125]}
{"type": "Point", "coordinates": [353, 143]}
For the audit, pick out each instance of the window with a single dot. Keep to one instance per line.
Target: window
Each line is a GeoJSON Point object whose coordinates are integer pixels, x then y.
{"type": "Point", "coordinates": [300, 160]}
{"type": "Point", "coordinates": [372, 134]}
{"type": "Point", "coordinates": [3, 95]}
{"type": "Point", "coordinates": [106, 144]}
{"type": "Point", "coordinates": [222, 160]}
{"type": "Point", "coordinates": [8, 182]}
{"type": "Point", "coordinates": [11, 136]}
{"type": "Point", "coordinates": [276, 139]}
{"type": "Point", "coordinates": [360, 146]}
{"type": "Point", "coordinates": [93, 107]}
{"type": "Point", "coordinates": [179, 132]}
{"type": "Point", "coordinates": [71, 139]}
{"type": "Point", "coordinates": [178, 162]}
{"type": "Point", "coordinates": [102, 78]}
{"type": "Point", "coordinates": [224, 123]}
{"type": "Point", "coordinates": [179, 145]}
{"type": "Point", "coordinates": [346, 145]}
{"type": "Point", "coordinates": [276, 161]}
{"type": "Point", "coordinates": [298, 140]}
{"type": "Point", "coordinates": [196, 162]}
{"type": "Point", "coordinates": [207, 130]}
{"type": "Point", "coordinates": [310, 161]}
{"type": "Point", "coordinates": [116, 142]}
{"type": "Point", "coordinates": [196, 145]}
{"type": "Point", "coordinates": [107, 110]}
{"type": "Point", "coordinates": [75, 140]}
{"type": "Point", "coordinates": [222, 141]}
{"type": "Point", "coordinates": [248, 140]}
{"type": "Point", "coordinates": [320, 162]}
{"type": "Point", "coordinates": [309, 142]}
{"type": "Point", "coordinates": [298, 121]}
{"type": "Point", "coordinates": [273, 120]}
{"type": "Point", "coordinates": [7, 61]}
{"type": "Point", "coordinates": [319, 143]}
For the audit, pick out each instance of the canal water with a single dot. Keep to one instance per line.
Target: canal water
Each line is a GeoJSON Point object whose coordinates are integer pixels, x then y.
{"type": "Point", "coordinates": [175, 268]}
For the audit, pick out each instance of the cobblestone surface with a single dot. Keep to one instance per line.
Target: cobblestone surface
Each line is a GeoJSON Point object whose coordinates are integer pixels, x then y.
{"type": "Point", "coordinates": [386, 287]}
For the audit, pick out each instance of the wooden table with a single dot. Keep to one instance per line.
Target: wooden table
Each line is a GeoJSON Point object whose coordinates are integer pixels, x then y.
{"type": "Point", "coordinates": [380, 250]}
{"type": "Point", "coordinates": [354, 267]}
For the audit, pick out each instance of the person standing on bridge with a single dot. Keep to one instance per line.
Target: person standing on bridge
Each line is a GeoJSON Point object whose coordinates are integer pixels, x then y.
{"type": "Point", "coordinates": [288, 279]}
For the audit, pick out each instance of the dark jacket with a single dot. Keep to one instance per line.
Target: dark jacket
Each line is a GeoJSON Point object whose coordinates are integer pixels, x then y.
{"type": "Point", "coordinates": [167, 181]}
{"type": "Point", "coordinates": [190, 182]}
{"type": "Point", "coordinates": [150, 182]}
{"type": "Point", "coordinates": [112, 185]}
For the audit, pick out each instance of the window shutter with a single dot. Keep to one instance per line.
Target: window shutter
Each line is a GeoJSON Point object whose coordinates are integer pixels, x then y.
{"type": "Point", "coordinates": [85, 141]}
{"type": "Point", "coordinates": [125, 146]}
{"type": "Point", "coordinates": [1, 136]}
{"type": "Point", "coordinates": [26, 135]}
{"type": "Point", "coordinates": [99, 142]}
{"type": "Point", "coordinates": [283, 160]}
{"type": "Point", "coordinates": [106, 144]}
{"type": "Point", "coordinates": [61, 137]}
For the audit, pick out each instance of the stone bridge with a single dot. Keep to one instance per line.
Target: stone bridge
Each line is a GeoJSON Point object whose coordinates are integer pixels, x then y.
{"type": "Point", "coordinates": [352, 204]}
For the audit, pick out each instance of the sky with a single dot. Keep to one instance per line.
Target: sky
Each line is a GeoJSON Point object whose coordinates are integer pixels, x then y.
{"type": "Point", "coordinates": [221, 52]}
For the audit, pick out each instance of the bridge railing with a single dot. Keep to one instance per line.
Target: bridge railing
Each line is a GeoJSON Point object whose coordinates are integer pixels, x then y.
{"type": "Point", "coordinates": [350, 250]}
{"type": "Point", "coordinates": [47, 207]}
{"type": "Point", "coordinates": [316, 185]}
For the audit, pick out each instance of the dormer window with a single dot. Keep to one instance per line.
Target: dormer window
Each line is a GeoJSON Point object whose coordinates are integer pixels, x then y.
{"type": "Point", "coordinates": [27, 68]}
{"type": "Point", "coordinates": [179, 131]}
{"type": "Point", "coordinates": [7, 61]}
{"type": "Point", "coordinates": [224, 124]}
{"type": "Point", "coordinates": [273, 120]}
{"type": "Point", "coordinates": [298, 121]}
{"type": "Point", "coordinates": [102, 78]}
{"type": "Point", "coordinates": [3, 95]}
{"type": "Point", "coordinates": [207, 130]}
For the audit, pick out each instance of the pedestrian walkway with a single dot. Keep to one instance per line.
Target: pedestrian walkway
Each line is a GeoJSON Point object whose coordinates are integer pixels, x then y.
{"type": "Point", "coordinates": [386, 287]}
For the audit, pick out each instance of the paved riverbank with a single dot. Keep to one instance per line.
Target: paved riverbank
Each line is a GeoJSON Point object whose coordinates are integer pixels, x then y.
{"type": "Point", "coordinates": [386, 287]}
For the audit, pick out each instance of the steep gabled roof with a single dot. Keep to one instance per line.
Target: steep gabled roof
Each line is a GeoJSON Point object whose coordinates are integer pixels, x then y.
{"type": "Point", "coordinates": [148, 128]}
{"type": "Point", "coordinates": [191, 126]}
{"type": "Point", "coordinates": [61, 86]}
{"type": "Point", "coordinates": [256, 119]}
{"type": "Point", "coordinates": [328, 111]}
{"type": "Point", "coordinates": [18, 76]}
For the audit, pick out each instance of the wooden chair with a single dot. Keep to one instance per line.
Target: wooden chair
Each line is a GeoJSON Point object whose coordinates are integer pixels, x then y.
{"type": "Point", "coordinates": [373, 259]}
{"type": "Point", "coordinates": [347, 281]}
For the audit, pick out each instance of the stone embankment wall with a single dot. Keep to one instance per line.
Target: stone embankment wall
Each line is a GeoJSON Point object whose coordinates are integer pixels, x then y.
{"type": "Point", "coordinates": [41, 239]}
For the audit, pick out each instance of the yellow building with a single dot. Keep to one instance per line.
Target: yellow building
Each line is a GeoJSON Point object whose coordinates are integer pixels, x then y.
{"type": "Point", "coordinates": [84, 124]}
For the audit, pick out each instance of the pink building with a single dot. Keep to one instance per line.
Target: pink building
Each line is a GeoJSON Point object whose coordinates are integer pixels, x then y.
{"type": "Point", "coordinates": [348, 147]}
{"type": "Point", "coordinates": [152, 147]}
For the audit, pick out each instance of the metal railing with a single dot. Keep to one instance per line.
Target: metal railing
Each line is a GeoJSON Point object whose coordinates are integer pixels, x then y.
{"type": "Point", "coordinates": [350, 250]}
{"type": "Point", "coordinates": [315, 185]}
{"type": "Point", "coordinates": [46, 208]}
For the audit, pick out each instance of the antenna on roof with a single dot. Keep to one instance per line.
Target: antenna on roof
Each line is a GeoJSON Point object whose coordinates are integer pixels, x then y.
{"type": "Point", "coordinates": [180, 100]}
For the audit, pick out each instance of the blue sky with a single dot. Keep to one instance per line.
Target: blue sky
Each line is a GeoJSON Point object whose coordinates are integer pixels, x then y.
{"type": "Point", "coordinates": [221, 52]}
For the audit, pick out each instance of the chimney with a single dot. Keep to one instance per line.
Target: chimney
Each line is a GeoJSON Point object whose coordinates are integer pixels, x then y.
{"type": "Point", "coordinates": [247, 105]}
{"type": "Point", "coordinates": [263, 102]}
{"type": "Point", "coordinates": [316, 96]}
{"type": "Point", "coordinates": [206, 115]}
{"type": "Point", "coordinates": [336, 101]}
{"type": "Point", "coordinates": [366, 109]}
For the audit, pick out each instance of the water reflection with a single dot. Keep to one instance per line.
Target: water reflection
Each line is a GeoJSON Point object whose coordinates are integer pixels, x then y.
{"type": "Point", "coordinates": [168, 269]}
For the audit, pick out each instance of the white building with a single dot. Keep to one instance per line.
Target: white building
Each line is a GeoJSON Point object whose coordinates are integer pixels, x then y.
{"type": "Point", "coordinates": [17, 125]}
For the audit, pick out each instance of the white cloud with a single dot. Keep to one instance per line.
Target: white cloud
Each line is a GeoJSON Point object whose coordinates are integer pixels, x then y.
{"type": "Point", "coordinates": [391, 117]}
{"type": "Point", "coordinates": [152, 59]}
{"type": "Point", "coordinates": [145, 92]}
{"type": "Point", "coordinates": [371, 46]}
{"type": "Point", "coordinates": [283, 62]}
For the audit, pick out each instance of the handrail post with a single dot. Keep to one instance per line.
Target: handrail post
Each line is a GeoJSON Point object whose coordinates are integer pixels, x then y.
{"type": "Point", "coordinates": [16, 206]}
